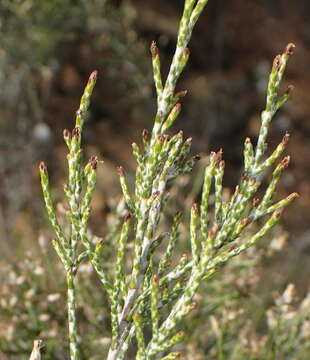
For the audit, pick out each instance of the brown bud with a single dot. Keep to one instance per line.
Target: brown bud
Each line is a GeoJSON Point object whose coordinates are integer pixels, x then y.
{"type": "Point", "coordinates": [285, 162]}
{"type": "Point", "coordinates": [93, 76]}
{"type": "Point", "coordinates": [155, 194]}
{"type": "Point", "coordinates": [177, 107]}
{"type": "Point", "coordinates": [195, 208]}
{"type": "Point", "coordinates": [255, 202]}
{"type": "Point", "coordinates": [160, 137]}
{"type": "Point", "coordinates": [76, 132]}
{"type": "Point", "coordinates": [218, 156]}
{"type": "Point", "coordinates": [167, 138]}
{"type": "Point", "coordinates": [292, 196]}
{"type": "Point", "coordinates": [245, 221]}
{"type": "Point", "coordinates": [94, 162]}
{"type": "Point", "coordinates": [66, 133]}
{"type": "Point", "coordinates": [186, 52]}
{"type": "Point", "coordinates": [184, 257]}
{"type": "Point", "coordinates": [181, 333]}
{"type": "Point", "coordinates": [145, 134]}
{"type": "Point", "coordinates": [43, 167]}
{"type": "Point", "coordinates": [277, 62]}
{"type": "Point", "coordinates": [213, 231]}
{"type": "Point", "coordinates": [188, 141]}
{"type": "Point", "coordinates": [245, 177]}
{"type": "Point", "coordinates": [193, 305]}
{"type": "Point", "coordinates": [253, 181]}
{"type": "Point", "coordinates": [156, 278]}
{"type": "Point", "coordinates": [232, 247]}
{"type": "Point", "coordinates": [154, 49]}
{"type": "Point", "coordinates": [289, 89]}
{"type": "Point", "coordinates": [128, 216]}
{"type": "Point", "coordinates": [285, 139]}
{"type": "Point", "coordinates": [289, 49]}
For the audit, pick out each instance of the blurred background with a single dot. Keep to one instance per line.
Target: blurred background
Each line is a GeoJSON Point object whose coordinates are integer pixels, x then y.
{"type": "Point", "coordinates": [47, 51]}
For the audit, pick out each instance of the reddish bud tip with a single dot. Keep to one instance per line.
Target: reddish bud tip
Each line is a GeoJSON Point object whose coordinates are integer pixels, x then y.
{"type": "Point", "coordinates": [285, 139]}
{"type": "Point", "coordinates": [255, 202]}
{"type": "Point", "coordinates": [289, 89]}
{"type": "Point", "coordinates": [195, 208]}
{"type": "Point", "coordinates": [292, 196]}
{"type": "Point", "coordinates": [66, 133]}
{"type": "Point", "coordinates": [93, 161]}
{"type": "Point", "coordinates": [213, 231]}
{"type": "Point", "coordinates": [160, 137]}
{"type": "Point", "coordinates": [245, 177]}
{"type": "Point", "coordinates": [218, 156]}
{"type": "Point", "coordinates": [156, 278]}
{"type": "Point", "coordinates": [155, 194]}
{"type": "Point", "coordinates": [222, 164]}
{"type": "Point", "coordinates": [93, 76]}
{"type": "Point", "coordinates": [177, 107]}
{"type": "Point", "coordinates": [186, 52]}
{"type": "Point", "coordinates": [128, 216]}
{"type": "Point", "coordinates": [193, 305]}
{"type": "Point", "coordinates": [189, 140]}
{"type": "Point", "coordinates": [76, 132]}
{"type": "Point", "coordinates": [167, 138]}
{"type": "Point", "coordinates": [245, 221]}
{"type": "Point", "coordinates": [232, 247]}
{"type": "Point", "coordinates": [290, 49]}
{"type": "Point", "coordinates": [154, 49]}
{"type": "Point", "coordinates": [43, 167]}
{"type": "Point", "coordinates": [277, 62]}
{"type": "Point", "coordinates": [145, 134]}
{"type": "Point", "coordinates": [285, 162]}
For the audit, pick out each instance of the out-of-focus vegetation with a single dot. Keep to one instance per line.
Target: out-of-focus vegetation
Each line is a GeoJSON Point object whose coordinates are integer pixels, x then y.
{"type": "Point", "coordinates": [46, 48]}
{"type": "Point", "coordinates": [46, 51]}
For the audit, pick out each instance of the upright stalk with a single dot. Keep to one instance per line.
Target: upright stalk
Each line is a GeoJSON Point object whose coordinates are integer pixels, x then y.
{"type": "Point", "coordinates": [72, 320]}
{"type": "Point", "coordinates": [67, 246]}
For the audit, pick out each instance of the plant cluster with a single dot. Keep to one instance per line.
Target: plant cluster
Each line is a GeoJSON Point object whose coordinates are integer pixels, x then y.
{"type": "Point", "coordinates": [149, 296]}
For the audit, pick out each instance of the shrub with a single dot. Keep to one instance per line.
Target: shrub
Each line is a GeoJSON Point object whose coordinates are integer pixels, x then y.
{"type": "Point", "coordinates": [150, 295]}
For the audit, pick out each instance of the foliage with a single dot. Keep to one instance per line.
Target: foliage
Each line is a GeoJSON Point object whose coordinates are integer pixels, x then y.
{"type": "Point", "coordinates": [149, 288]}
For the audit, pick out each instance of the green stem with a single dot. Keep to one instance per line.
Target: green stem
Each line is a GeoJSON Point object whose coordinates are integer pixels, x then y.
{"type": "Point", "coordinates": [72, 320]}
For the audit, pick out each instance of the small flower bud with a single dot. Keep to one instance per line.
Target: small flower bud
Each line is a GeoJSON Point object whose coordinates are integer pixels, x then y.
{"type": "Point", "coordinates": [285, 139]}
{"type": "Point", "coordinates": [289, 89]}
{"type": "Point", "coordinates": [290, 49]}
{"type": "Point", "coordinates": [43, 168]}
{"type": "Point", "coordinates": [277, 62]}
{"type": "Point", "coordinates": [93, 76]}
{"type": "Point", "coordinates": [128, 216]}
{"type": "Point", "coordinates": [154, 49]}
{"type": "Point", "coordinates": [76, 132]}
{"type": "Point", "coordinates": [285, 162]}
